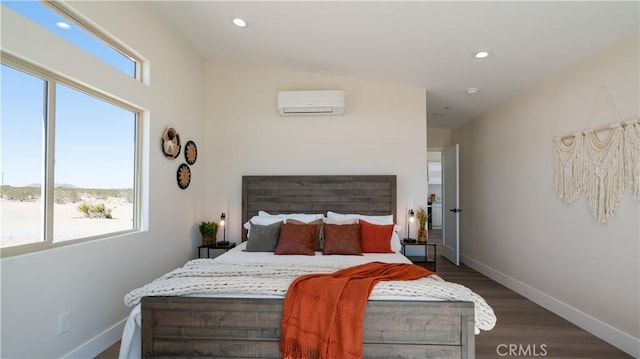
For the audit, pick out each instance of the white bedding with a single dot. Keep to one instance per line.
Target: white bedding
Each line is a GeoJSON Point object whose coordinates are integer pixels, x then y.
{"type": "Point", "coordinates": [131, 338]}
{"type": "Point", "coordinates": [237, 255]}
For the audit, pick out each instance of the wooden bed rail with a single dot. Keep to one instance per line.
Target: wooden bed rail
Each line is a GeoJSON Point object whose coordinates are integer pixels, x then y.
{"type": "Point", "coordinates": [250, 328]}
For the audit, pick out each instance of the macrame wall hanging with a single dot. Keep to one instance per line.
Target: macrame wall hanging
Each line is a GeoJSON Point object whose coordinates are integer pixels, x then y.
{"type": "Point", "coordinates": [601, 169]}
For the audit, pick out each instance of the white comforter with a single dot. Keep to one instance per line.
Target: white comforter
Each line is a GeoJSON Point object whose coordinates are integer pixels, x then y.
{"type": "Point", "coordinates": [258, 274]}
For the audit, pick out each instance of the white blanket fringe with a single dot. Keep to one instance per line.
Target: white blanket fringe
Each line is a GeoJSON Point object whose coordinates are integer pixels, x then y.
{"type": "Point", "coordinates": [203, 276]}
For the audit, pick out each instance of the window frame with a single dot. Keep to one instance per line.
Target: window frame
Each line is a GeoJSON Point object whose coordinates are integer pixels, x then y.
{"type": "Point", "coordinates": [48, 180]}
{"type": "Point", "coordinates": [78, 19]}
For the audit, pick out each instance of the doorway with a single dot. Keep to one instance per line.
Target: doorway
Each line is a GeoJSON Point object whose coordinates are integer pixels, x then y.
{"type": "Point", "coordinates": [443, 195]}
{"type": "Point", "coordinates": [434, 187]}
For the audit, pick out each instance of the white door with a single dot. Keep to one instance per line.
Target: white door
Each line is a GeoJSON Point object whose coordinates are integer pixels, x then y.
{"type": "Point", "coordinates": [450, 205]}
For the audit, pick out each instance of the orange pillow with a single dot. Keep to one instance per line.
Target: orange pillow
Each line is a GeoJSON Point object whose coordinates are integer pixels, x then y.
{"type": "Point", "coordinates": [342, 239]}
{"type": "Point", "coordinates": [296, 239]}
{"type": "Point", "coordinates": [318, 222]}
{"type": "Point", "coordinates": [375, 238]}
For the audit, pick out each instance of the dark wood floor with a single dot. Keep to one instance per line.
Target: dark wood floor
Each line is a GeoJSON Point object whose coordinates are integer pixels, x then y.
{"type": "Point", "coordinates": [524, 329]}
{"type": "Point", "coordinates": [522, 323]}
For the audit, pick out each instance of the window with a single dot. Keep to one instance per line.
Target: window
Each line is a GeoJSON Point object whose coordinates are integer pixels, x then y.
{"type": "Point", "coordinates": [89, 191]}
{"type": "Point", "coordinates": [94, 167]}
{"type": "Point", "coordinates": [22, 208]}
{"type": "Point", "coordinates": [69, 151]}
{"type": "Point", "coordinates": [76, 32]}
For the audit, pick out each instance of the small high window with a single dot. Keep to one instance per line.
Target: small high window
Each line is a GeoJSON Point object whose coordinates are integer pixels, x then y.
{"type": "Point", "coordinates": [73, 30]}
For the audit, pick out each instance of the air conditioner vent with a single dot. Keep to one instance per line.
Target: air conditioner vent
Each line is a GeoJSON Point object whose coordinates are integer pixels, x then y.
{"type": "Point", "coordinates": [302, 103]}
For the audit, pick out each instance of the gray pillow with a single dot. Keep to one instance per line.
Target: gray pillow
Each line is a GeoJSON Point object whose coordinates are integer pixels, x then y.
{"type": "Point", "coordinates": [263, 238]}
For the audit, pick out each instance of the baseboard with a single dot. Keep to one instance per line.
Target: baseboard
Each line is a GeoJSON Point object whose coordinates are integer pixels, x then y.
{"type": "Point", "coordinates": [602, 330]}
{"type": "Point", "coordinates": [99, 343]}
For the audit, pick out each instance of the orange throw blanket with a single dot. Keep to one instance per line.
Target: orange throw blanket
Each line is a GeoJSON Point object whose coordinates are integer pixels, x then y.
{"type": "Point", "coordinates": [323, 313]}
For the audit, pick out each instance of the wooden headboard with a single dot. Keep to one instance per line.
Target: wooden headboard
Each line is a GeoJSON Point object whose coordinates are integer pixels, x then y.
{"type": "Point", "coordinates": [371, 195]}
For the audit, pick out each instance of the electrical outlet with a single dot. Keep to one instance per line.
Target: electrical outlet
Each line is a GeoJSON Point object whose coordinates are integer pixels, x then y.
{"type": "Point", "coordinates": [64, 323]}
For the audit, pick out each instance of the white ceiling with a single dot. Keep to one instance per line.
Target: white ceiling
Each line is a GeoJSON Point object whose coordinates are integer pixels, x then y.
{"type": "Point", "coordinates": [425, 44]}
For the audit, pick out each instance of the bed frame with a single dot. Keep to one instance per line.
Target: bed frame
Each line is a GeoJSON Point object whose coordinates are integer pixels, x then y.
{"type": "Point", "coordinates": [250, 327]}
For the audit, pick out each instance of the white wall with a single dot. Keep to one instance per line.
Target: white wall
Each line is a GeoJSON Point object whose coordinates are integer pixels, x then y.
{"type": "Point", "coordinates": [91, 279]}
{"type": "Point", "coordinates": [382, 132]}
{"type": "Point", "coordinates": [516, 230]}
{"type": "Point", "coordinates": [438, 137]}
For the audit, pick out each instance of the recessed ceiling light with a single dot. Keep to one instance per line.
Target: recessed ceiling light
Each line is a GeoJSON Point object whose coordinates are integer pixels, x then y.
{"type": "Point", "coordinates": [239, 22]}
{"type": "Point", "coordinates": [472, 91]}
{"type": "Point", "coordinates": [63, 25]}
{"type": "Point", "coordinates": [481, 54]}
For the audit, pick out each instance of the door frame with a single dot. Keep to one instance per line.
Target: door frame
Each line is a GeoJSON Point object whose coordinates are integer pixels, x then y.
{"type": "Point", "coordinates": [455, 256]}
{"type": "Point", "coordinates": [451, 207]}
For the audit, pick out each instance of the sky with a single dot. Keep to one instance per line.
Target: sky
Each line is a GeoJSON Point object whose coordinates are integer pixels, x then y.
{"type": "Point", "coordinates": [95, 140]}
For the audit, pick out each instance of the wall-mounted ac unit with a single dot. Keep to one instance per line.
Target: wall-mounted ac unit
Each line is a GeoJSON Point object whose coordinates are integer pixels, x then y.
{"type": "Point", "coordinates": [301, 103]}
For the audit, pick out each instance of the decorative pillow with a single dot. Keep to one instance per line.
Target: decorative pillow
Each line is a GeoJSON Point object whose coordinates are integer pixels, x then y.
{"type": "Point", "coordinates": [375, 238]}
{"type": "Point", "coordinates": [296, 239]}
{"type": "Point", "coordinates": [317, 245]}
{"type": "Point", "coordinates": [342, 239]}
{"type": "Point", "coordinates": [326, 220]}
{"type": "Point", "coordinates": [396, 246]}
{"type": "Point", "coordinates": [263, 238]}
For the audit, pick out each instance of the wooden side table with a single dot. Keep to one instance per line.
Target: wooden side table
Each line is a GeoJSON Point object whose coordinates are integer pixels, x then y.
{"type": "Point", "coordinates": [215, 246]}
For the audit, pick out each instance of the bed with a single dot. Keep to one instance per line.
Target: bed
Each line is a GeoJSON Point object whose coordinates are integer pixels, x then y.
{"type": "Point", "coordinates": [226, 320]}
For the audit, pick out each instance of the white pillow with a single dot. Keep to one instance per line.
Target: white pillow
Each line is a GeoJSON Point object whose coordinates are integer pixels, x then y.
{"type": "Point", "coordinates": [387, 219]}
{"type": "Point", "coordinates": [396, 246]}
{"type": "Point", "coordinates": [302, 217]}
{"type": "Point", "coordinates": [267, 214]}
{"type": "Point", "coordinates": [340, 221]}
{"type": "Point", "coordinates": [264, 221]}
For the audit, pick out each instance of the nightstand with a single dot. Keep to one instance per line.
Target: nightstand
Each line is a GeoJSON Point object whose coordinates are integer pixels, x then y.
{"type": "Point", "coordinates": [215, 246]}
{"type": "Point", "coordinates": [430, 263]}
